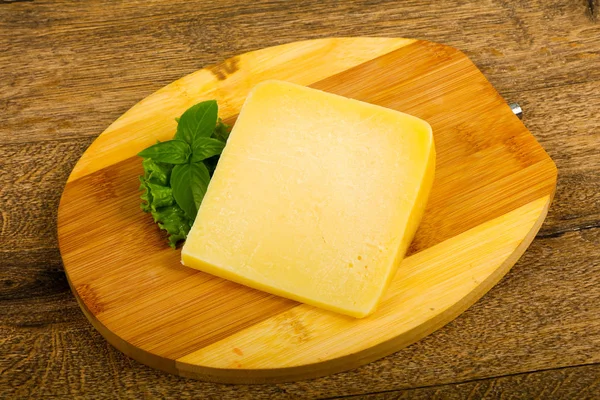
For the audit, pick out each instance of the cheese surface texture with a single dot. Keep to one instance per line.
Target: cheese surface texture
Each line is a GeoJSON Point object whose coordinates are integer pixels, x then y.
{"type": "Point", "coordinates": [316, 198]}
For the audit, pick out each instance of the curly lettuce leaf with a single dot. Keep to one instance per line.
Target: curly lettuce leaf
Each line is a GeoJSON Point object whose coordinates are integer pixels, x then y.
{"type": "Point", "coordinates": [158, 173]}
{"type": "Point", "coordinates": [173, 220]}
{"type": "Point", "coordinates": [157, 199]}
{"type": "Point", "coordinates": [162, 196]}
{"type": "Point", "coordinates": [146, 196]}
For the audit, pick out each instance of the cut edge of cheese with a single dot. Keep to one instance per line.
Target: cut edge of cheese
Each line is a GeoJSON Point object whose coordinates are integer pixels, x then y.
{"type": "Point", "coordinates": [414, 221]}
{"type": "Point", "coordinates": [401, 245]}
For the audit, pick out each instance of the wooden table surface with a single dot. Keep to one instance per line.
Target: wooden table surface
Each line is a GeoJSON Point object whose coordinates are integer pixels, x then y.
{"type": "Point", "coordinates": [68, 69]}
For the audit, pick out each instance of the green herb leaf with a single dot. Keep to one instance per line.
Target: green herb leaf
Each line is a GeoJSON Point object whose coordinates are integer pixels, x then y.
{"type": "Point", "coordinates": [162, 196]}
{"type": "Point", "coordinates": [204, 148]}
{"type": "Point", "coordinates": [156, 172]}
{"type": "Point", "coordinates": [189, 183]}
{"type": "Point", "coordinates": [177, 172]}
{"type": "Point", "coordinates": [197, 121]}
{"type": "Point", "coordinates": [221, 131]}
{"type": "Point", "coordinates": [173, 220]}
{"type": "Point", "coordinates": [158, 200]}
{"type": "Point", "coordinates": [146, 196]}
{"type": "Point", "coordinates": [211, 164]}
{"type": "Point", "coordinates": [171, 151]}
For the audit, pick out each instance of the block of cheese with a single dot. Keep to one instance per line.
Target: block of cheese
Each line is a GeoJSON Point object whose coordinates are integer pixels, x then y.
{"type": "Point", "coordinates": [316, 198]}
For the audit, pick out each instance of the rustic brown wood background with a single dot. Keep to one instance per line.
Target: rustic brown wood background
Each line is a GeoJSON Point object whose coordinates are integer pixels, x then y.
{"type": "Point", "coordinates": [68, 69]}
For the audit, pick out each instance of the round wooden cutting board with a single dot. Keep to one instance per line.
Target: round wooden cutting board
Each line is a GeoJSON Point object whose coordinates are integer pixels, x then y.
{"type": "Point", "coordinates": [492, 190]}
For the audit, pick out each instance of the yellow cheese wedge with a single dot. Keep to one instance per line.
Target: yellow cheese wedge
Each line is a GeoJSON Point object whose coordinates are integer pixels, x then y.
{"type": "Point", "coordinates": [316, 198]}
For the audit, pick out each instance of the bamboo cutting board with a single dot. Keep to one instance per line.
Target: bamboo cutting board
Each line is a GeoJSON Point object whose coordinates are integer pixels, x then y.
{"type": "Point", "coordinates": [492, 190]}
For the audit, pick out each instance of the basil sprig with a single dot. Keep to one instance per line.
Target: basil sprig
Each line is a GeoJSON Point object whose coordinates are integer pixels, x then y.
{"type": "Point", "coordinates": [177, 172]}
{"type": "Point", "coordinates": [170, 152]}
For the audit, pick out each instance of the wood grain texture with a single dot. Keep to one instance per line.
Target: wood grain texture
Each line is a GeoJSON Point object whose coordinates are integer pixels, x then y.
{"type": "Point", "coordinates": [525, 331]}
{"type": "Point", "coordinates": [518, 46]}
{"type": "Point", "coordinates": [553, 384]}
{"type": "Point", "coordinates": [492, 190]}
{"type": "Point", "coordinates": [302, 62]}
{"type": "Point", "coordinates": [430, 288]}
{"type": "Point", "coordinates": [541, 54]}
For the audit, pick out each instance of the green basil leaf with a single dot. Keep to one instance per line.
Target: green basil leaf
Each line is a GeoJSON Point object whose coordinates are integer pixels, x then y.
{"type": "Point", "coordinates": [189, 183]}
{"type": "Point", "coordinates": [204, 148]}
{"type": "Point", "coordinates": [197, 121]}
{"type": "Point", "coordinates": [211, 164]}
{"type": "Point", "coordinates": [171, 151]}
{"type": "Point", "coordinates": [200, 180]}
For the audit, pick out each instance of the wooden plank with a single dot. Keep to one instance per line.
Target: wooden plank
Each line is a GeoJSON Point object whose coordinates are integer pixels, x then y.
{"type": "Point", "coordinates": [564, 383]}
{"type": "Point", "coordinates": [58, 71]}
{"type": "Point", "coordinates": [32, 176]}
{"type": "Point", "coordinates": [302, 62]}
{"type": "Point", "coordinates": [50, 347]}
{"type": "Point", "coordinates": [547, 303]}
{"type": "Point", "coordinates": [563, 119]}
{"type": "Point", "coordinates": [430, 288]}
{"type": "Point", "coordinates": [518, 47]}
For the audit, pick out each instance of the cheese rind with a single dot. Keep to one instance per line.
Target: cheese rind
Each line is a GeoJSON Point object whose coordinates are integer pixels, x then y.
{"type": "Point", "coordinates": [316, 198]}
